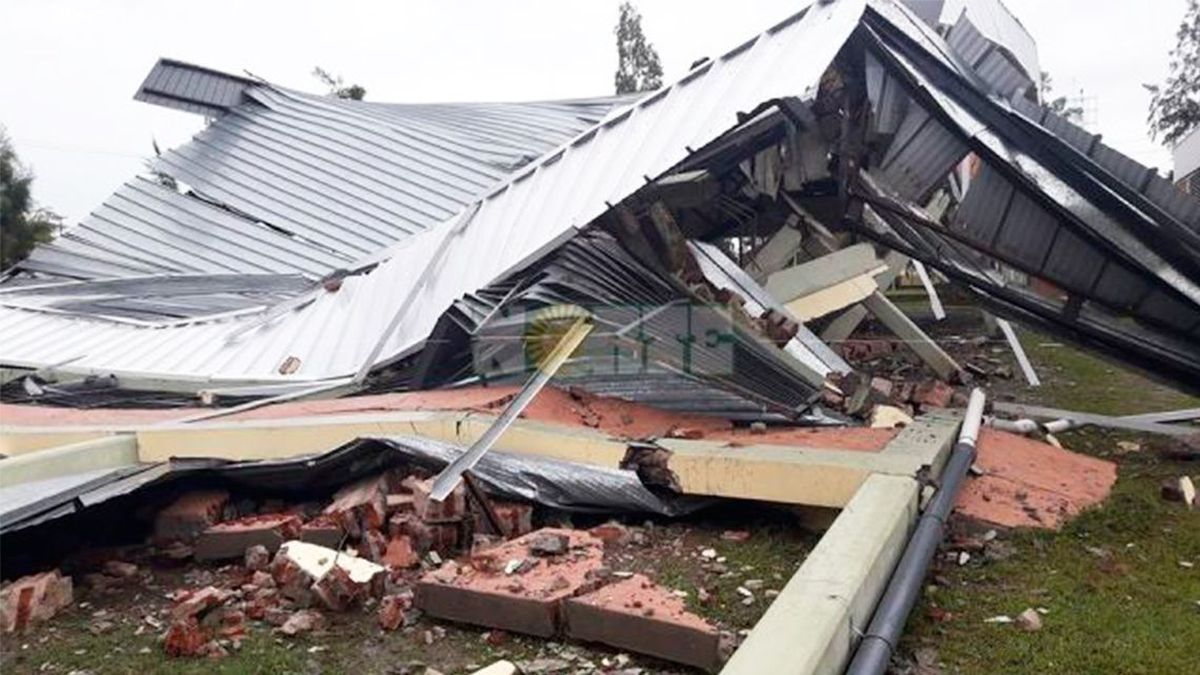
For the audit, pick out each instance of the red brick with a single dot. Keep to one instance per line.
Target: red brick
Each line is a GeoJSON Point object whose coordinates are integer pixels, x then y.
{"type": "Point", "coordinates": [517, 519]}
{"type": "Point", "coordinates": [196, 603]}
{"type": "Point", "coordinates": [231, 539]}
{"type": "Point", "coordinates": [450, 509]}
{"type": "Point", "coordinates": [185, 637]}
{"type": "Point", "coordinates": [323, 531]}
{"type": "Point", "coordinates": [190, 515]}
{"type": "Point", "coordinates": [33, 599]}
{"type": "Point", "coordinates": [392, 610]}
{"type": "Point", "coordinates": [396, 503]}
{"type": "Point", "coordinates": [360, 506]}
{"type": "Point", "coordinates": [440, 537]}
{"type": "Point", "coordinates": [611, 533]}
{"type": "Point", "coordinates": [640, 616]}
{"type": "Point", "coordinates": [528, 601]}
{"type": "Point", "coordinates": [374, 546]}
{"type": "Point", "coordinates": [933, 394]}
{"type": "Point", "coordinates": [337, 591]}
{"type": "Point", "coordinates": [399, 554]}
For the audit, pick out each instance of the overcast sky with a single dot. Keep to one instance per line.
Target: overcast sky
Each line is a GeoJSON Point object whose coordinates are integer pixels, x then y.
{"type": "Point", "coordinates": [71, 66]}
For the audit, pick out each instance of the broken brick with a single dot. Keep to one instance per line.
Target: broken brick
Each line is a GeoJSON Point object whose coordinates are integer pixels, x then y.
{"type": "Point", "coordinates": [336, 590]}
{"type": "Point", "coordinates": [399, 554]}
{"type": "Point", "coordinates": [525, 602]}
{"type": "Point", "coordinates": [392, 610]}
{"type": "Point", "coordinates": [374, 546]}
{"type": "Point", "coordinates": [933, 394]}
{"type": "Point", "coordinates": [396, 503]}
{"type": "Point", "coordinates": [517, 519]}
{"type": "Point", "coordinates": [425, 537]}
{"type": "Point", "coordinates": [611, 533]}
{"type": "Point", "coordinates": [185, 637]}
{"type": "Point", "coordinates": [360, 506]}
{"type": "Point", "coordinates": [196, 603]}
{"type": "Point", "coordinates": [450, 509]}
{"type": "Point", "coordinates": [303, 621]}
{"type": "Point", "coordinates": [33, 599]}
{"type": "Point", "coordinates": [641, 616]}
{"type": "Point", "coordinates": [189, 515]}
{"type": "Point", "coordinates": [322, 531]}
{"type": "Point", "coordinates": [231, 539]}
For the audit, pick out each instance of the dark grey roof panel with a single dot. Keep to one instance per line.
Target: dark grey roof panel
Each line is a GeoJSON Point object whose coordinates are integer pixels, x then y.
{"type": "Point", "coordinates": [184, 86]}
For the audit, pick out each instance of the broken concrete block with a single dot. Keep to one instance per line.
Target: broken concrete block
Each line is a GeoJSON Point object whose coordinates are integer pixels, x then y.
{"type": "Point", "coordinates": [189, 515]}
{"type": "Point", "coordinates": [1029, 620]}
{"type": "Point", "coordinates": [231, 539]}
{"type": "Point", "coordinates": [33, 599]}
{"type": "Point", "coordinates": [300, 569]}
{"type": "Point", "coordinates": [548, 543]}
{"type": "Point", "coordinates": [499, 668]}
{"type": "Point", "coordinates": [257, 558]}
{"type": "Point", "coordinates": [888, 417]}
{"type": "Point", "coordinates": [450, 509]}
{"type": "Point", "coordinates": [517, 519]}
{"type": "Point", "coordinates": [360, 506]}
{"type": "Point", "coordinates": [527, 601]}
{"type": "Point", "coordinates": [638, 615]}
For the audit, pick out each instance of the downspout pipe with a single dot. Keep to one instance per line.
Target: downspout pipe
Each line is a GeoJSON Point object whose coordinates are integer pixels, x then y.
{"type": "Point", "coordinates": [875, 650]}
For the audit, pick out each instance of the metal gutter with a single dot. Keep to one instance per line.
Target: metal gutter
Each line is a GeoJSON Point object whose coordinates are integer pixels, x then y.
{"type": "Point", "coordinates": [875, 651]}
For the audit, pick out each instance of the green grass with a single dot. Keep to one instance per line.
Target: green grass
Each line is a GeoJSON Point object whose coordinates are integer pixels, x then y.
{"type": "Point", "coordinates": [1118, 600]}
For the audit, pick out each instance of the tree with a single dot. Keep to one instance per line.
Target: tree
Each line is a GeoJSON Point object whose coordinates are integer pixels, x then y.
{"type": "Point", "coordinates": [22, 224]}
{"type": "Point", "coordinates": [638, 67]}
{"type": "Point", "coordinates": [1058, 105]}
{"type": "Point", "coordinates": [337, 87]}
{"type": "Point", "coordinates": [1175, 104]}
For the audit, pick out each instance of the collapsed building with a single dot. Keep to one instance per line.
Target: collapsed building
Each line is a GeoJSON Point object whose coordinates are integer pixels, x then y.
{"type": "Point", "coordinates": [723, 238]}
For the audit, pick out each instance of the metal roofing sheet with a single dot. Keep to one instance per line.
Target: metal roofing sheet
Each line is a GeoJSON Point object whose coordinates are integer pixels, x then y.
{"type": "Point", "coordinates": [285, 182]}
{"type": "Point", "coordinates": [537, 208]}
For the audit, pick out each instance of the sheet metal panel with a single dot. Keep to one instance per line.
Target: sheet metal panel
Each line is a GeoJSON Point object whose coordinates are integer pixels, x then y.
{"type": "Point", "coordinates": [192, 88]}
{"type": "Point", "coordinates": [303, 183]}
{"type": "Point", "coordinates": [532, 212]}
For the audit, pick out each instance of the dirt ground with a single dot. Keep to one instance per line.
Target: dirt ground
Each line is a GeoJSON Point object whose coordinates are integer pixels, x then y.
{"type": "Point", "coordinates": [118, 630]}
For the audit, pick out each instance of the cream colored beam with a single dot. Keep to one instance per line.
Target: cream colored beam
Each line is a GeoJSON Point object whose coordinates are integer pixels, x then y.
{"type": "Point", "coordinates": [108, 452]}
{"type": "Point", "coordinates": [813, 625]}
{"type": "Point", "coordinates": [815, 477]}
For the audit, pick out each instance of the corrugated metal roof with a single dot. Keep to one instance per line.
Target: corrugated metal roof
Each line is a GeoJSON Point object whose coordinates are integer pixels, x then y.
{"type": "Point", "coordinates": [193, 88]}
{"type": "Point", "coordinates": [536, 209]}
{"type": "Point", "coordinates": [1040, 205]}
{"type": "Point", "coordinates": [285, 182]}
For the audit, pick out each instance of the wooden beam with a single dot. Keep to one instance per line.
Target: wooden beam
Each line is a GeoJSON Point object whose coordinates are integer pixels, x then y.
{"type": "Point", "coordinates": [814, 624]}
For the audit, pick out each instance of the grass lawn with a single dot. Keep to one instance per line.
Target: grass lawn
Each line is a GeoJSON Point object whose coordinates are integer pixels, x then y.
{"type": "Point", "coordinates": [1117, 598]}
